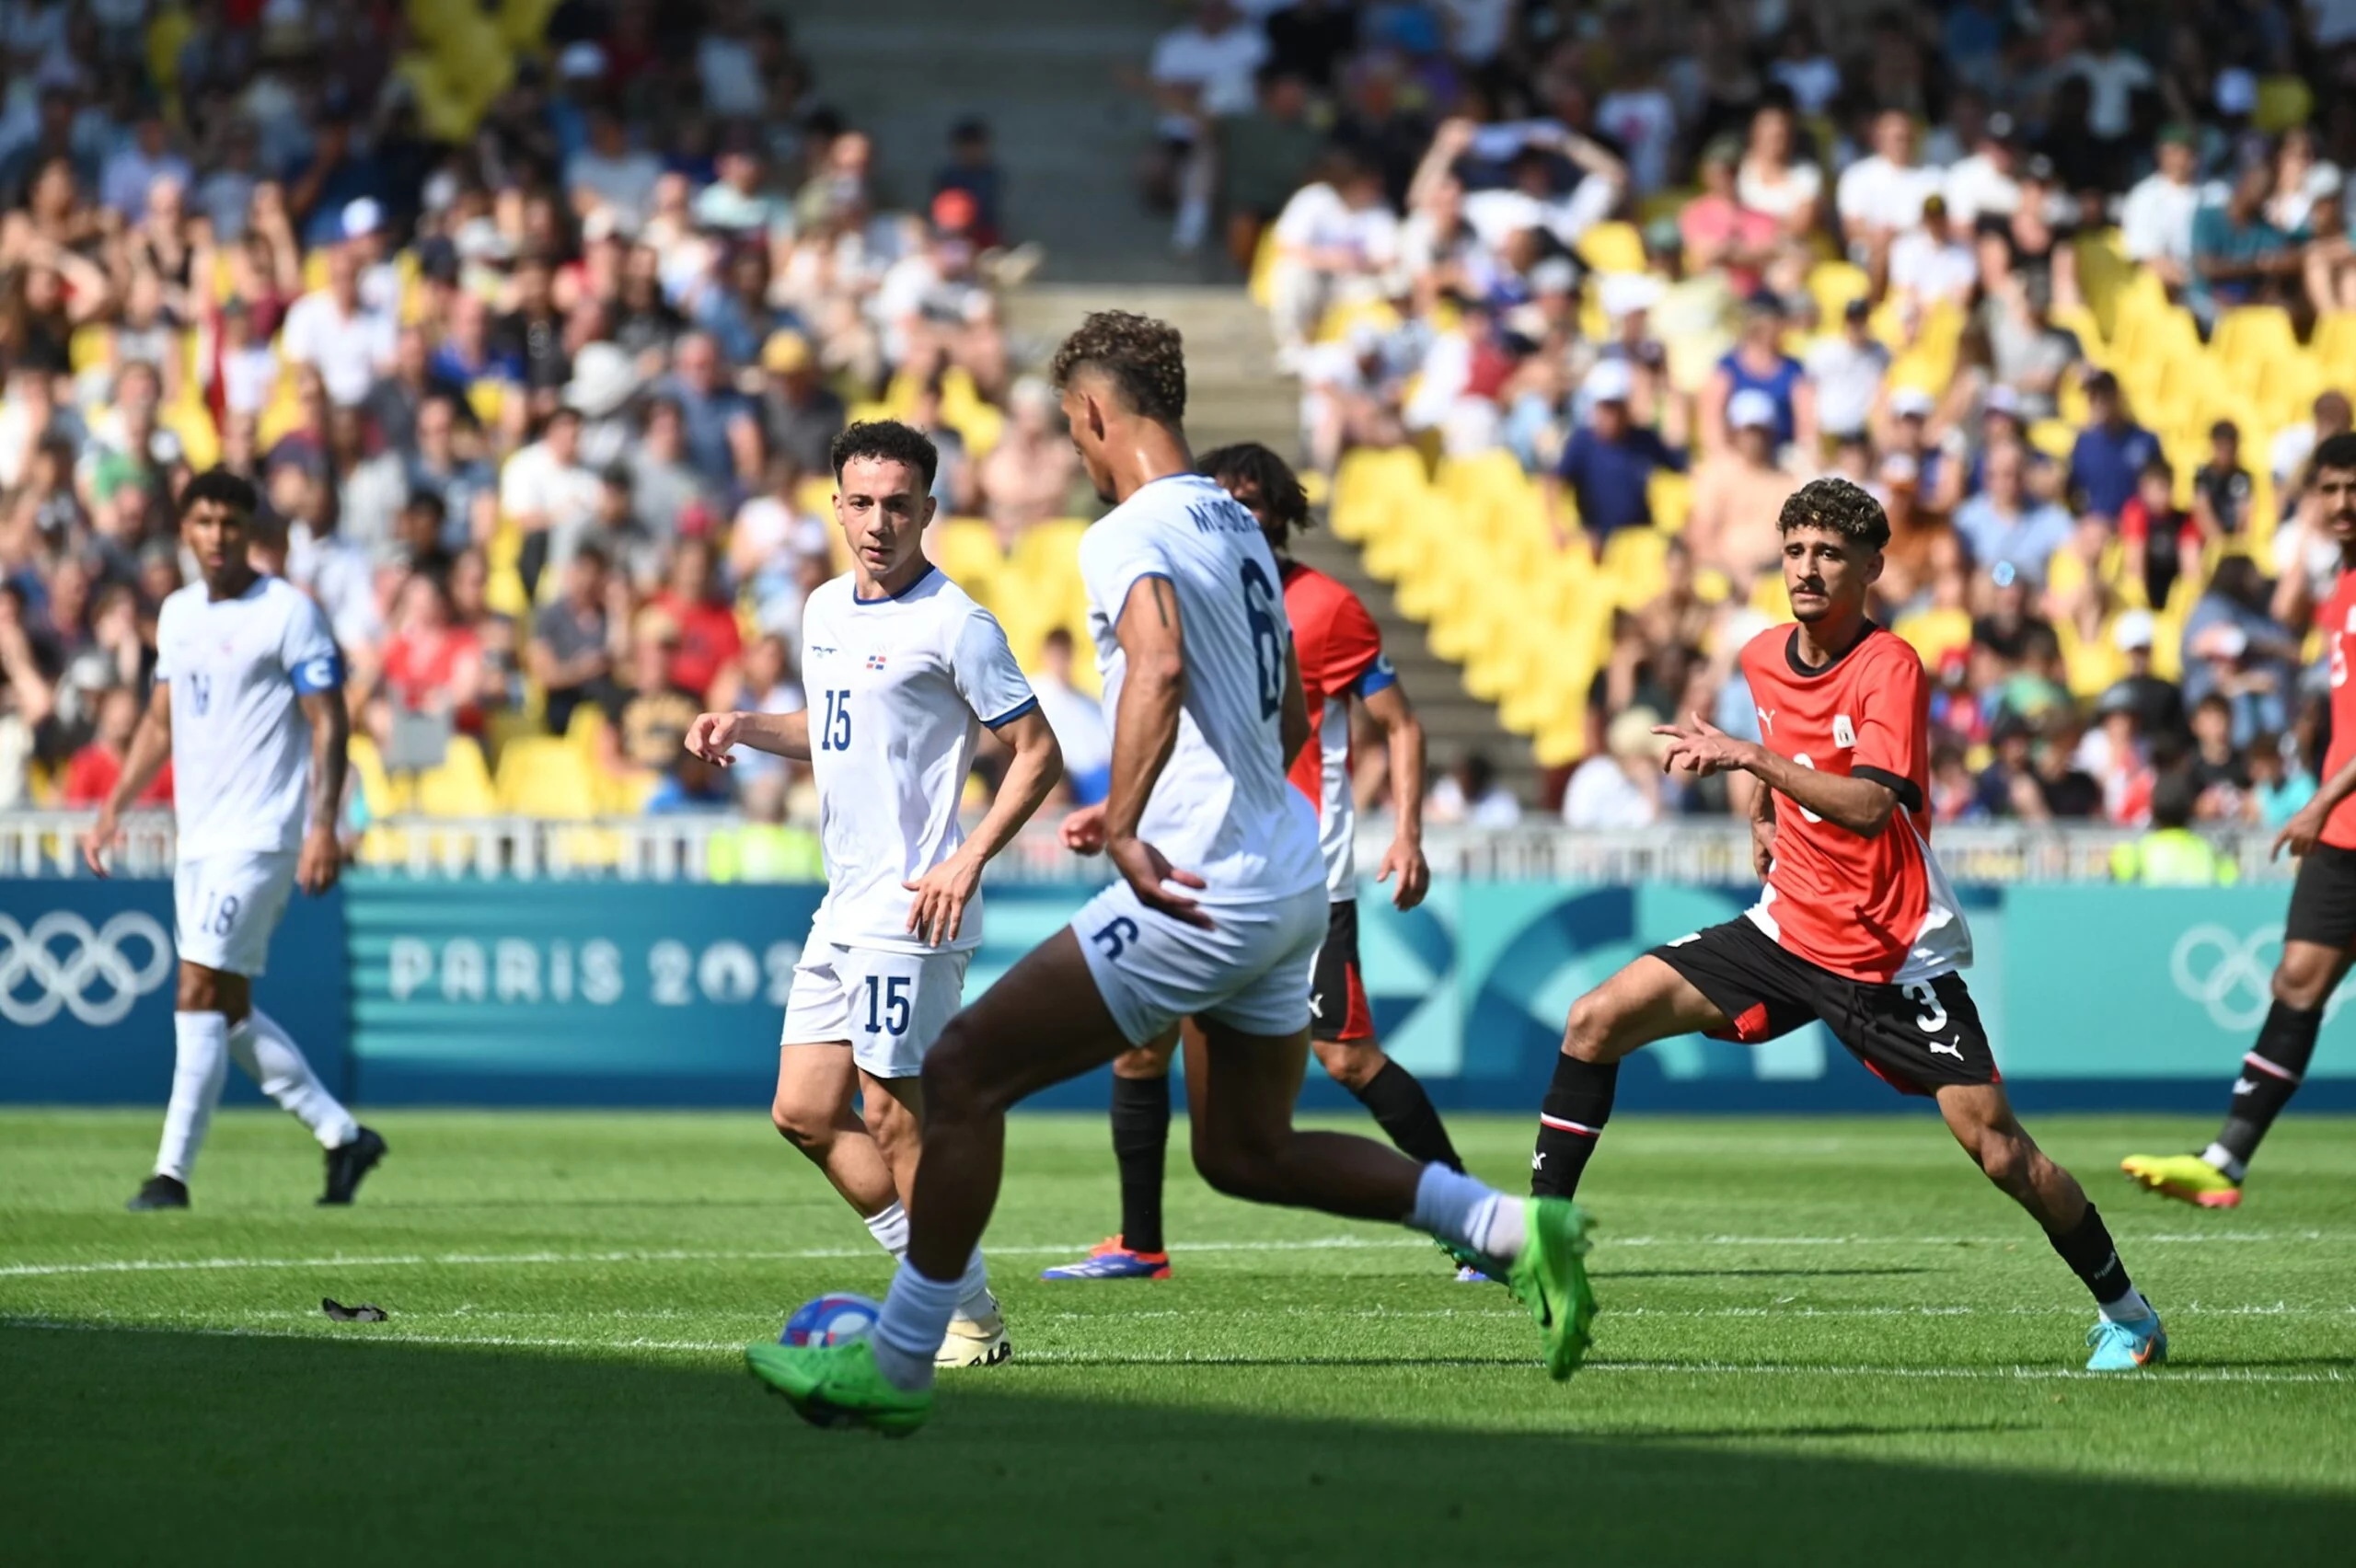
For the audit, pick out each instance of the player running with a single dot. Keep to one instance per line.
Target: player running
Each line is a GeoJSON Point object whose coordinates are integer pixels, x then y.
{"type": "Point", "coordinates": [1340, 653]}
{"type": "Point", "coordinates": [1220, 906]}
{"type": "Point", "coordinates": [903, 671]}
{"type": "Point", "coordinates": [1856, 926]}
{"type": "Point", "coordinates": [2319, 934]}
{"type": "Point", "coordinates": [248, 706]}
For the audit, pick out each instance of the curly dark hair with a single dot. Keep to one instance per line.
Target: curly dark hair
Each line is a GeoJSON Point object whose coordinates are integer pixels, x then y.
{"type": "Point", "coordinates": [1271, 479]}
{"type": "Point", "coordinates": [1144, 358]}
{"type": "Point", "coordinates": [2334, 452]}
{"type": "Point", "coordinates": [888, 440]}
{"type": "Point", "coordinates": [1838, 507]}
{"type": "Point", "coordinates": [230, 489]}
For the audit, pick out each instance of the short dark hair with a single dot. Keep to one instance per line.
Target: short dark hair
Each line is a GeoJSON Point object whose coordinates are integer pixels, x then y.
{"type": "Point", "coordinates": [2336, 451]}
{"type": "Point", "coordinates": [1144, 358]}
{"type": "Point", "coordinates": [1838, 507]}
{"type": "Point", "coordinates": [231, 489]}
{"type": "Point", "coordinates": [2175, 797]}
{"type": "Point", "coordinates": [888, 440]}
{"type": "Point", "coordinates": [1248, 461]}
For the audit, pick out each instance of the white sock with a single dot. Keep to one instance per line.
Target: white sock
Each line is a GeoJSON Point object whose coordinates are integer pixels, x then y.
{"type": "Point", "coordinates": [915, 1321]}
{"type": "Point", "coordinates": [973, 1299]}
{"type": "Point", "coordinates": [2221, 1159]}
{"type": "Point", "coordinates": [889, 1225]}
{"type": "Point", "coordinates": [1467, 1211]}
{"type": "Point", "coordinates": [2128, 1309]}
{"type": "Point", "coordinates": [200, 1065]}
{"type": "Point", "coordinates": [278, 1064]}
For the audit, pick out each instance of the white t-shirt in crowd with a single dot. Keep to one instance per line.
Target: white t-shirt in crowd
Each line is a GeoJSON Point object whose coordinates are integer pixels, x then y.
{"type": "Point", "coordinates": [1316, 218]}
{"type": "Point", "coordinates": [1925, 270]}
{"type": "Point", "coordinates": [1081, 730]}
{"type": "Point", "coordinates": [1885, 194]}
{"type": "Point", "coordinates": [1802, 184]}
{"type": "Point", "coordinates": [1497, 215]}
{"type": "Point", "coordinates": [2156, 219]}
{"type": "Point", "coordinates": [1220, 68]}
{"type": "Point", "coordinates": [1476, 27]}
{"type": "Point", "coordinates": [625, 183]}
{"type": "Point", "coordinates": [1222, 808]}
{"type": "Point", "coordinates": [1847, 378]}
{"type": "Point", "coordinates": [899, 688]}
{"type": "Point", "coordinates": [1601, 794]}
{"type": "Point", "coordinates": [1976, 188]}
{"type": "Point", "coordinates": [349, 351]}
{"type": "Point", "coordinates": [2112, 81]}
{"type": "Point", "coordinates": [241, 748]}
{"type": "Point", "coordinates": [1644, 121]}
{"type": "Point", "coordinates": [534, 483]}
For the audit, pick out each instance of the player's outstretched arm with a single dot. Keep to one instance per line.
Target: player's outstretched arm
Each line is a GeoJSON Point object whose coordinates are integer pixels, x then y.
{"type": "Point", "coordinates": [322, 858]}
{"type": "Point", "coordinates": [1145, 731]}
{"type": "Point", "coordinates": [713, 735]}
{"type": "Point", "coordinates": [1403, 733]}
{"type": "Point", "coordinates": [151, 744]}
{"type": "Point", "coordinates": [938, 911]}
{"type": "Point", "coordinates": [1861, 805]}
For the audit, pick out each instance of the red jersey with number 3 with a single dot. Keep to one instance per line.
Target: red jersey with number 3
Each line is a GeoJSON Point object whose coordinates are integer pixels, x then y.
{"type": "Point", "coordinates": [2337, 620]}
{"type": "Point", "coordinates": [1341, 656]}
{"type": "Point", "coordinates": [1874, 909]}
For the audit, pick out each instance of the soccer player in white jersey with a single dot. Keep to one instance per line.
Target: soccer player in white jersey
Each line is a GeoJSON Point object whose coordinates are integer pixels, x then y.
{"type": "Point", "coordinates": [1219, 910]}
{"type": "Point", "coordinates": [248, 706]}
{"type": "Point", "coordinates": [904, 671]}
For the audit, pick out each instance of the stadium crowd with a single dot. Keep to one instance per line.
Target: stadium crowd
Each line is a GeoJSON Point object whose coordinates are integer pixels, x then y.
{"type": "Point", "coordinates": [1677, 259]}
{"type": "Point", "coordinates": [532, 323]}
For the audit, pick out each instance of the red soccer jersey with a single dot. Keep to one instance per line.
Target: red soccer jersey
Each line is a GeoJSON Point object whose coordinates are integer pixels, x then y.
{"type": "Point", "coordinates": [1876, 909]}
{"type": "Point", "coordinates": [1341, 657]}
{"type": "Point", "coordinates": [2337, 619]}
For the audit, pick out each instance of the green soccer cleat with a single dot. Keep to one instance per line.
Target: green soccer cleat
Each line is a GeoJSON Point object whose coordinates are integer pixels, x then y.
{"type": "Point", "coordinates": [1549, 1277]}
{"type": "Point", "coordinates": [2127, 1347]}
{"type": "Point", "coordinates": [2185, 1177]}
{"type": "Point", "coordinates": [838, 1384]}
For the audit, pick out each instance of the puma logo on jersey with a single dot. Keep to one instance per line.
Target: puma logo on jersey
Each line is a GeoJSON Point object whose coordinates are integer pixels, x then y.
{"type": "Point", "coordinates": [1845, 734]}
{"type": "Point", "coordinates": [1949, 1049]}
{"type": "Point", "coordinates": [1767, 720]}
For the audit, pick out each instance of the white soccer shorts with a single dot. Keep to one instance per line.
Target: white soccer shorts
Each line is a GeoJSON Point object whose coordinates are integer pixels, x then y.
{"type": "Point", "coordinates": [1250, 971]}
{"type": "Point", "coordinates": [890, 1006]}
{"type": "Point", "coordinates": [227, 906]}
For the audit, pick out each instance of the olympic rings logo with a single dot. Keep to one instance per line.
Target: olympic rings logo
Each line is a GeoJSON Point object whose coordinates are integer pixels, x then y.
{"type": "Point", "coordinates": [29, 958]}
{"type": "Point", "coordinates": [2230, 975]}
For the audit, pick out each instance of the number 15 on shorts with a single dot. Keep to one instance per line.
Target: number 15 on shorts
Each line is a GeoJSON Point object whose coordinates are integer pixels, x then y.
{"type": "Point", "coordinates": [887, 1004]}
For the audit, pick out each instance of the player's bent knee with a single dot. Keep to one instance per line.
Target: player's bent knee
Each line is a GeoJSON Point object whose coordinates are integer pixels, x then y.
{"type": "Point", "coordinates": [1237, 1171]}
{"type": "Point", "coordinates": [2005, 1157]}
{"type": "Point", "coordinates": [1595, 1018]}
{"type": "Point", "coordinates": [804, 1124]}
{"type": "Point", "coordinates": [2303, 979]}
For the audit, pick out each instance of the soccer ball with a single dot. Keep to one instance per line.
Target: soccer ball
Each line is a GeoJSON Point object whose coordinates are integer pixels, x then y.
{"type": "Point", "coordinates": [831, 1320]}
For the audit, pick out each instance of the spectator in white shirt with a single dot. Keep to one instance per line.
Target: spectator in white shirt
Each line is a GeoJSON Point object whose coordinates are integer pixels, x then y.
{"type": "Point", "coordinates": [1847, 370]}
{"type": "Point", "coordinates": [1335, 237]}
{"type": "Point", "coordinates": [1880, 196]}
{"type": "Point", "coordinates": [1077, 718]}
{"type": "Point", "coordinates": [143, 159]}
{"type": "Point", "coordinates": [1931, 261]}
{"type": "Point", "coordinates": [1620, 787]}
{"type": "Point", "coordinates": [609, 173]}
{"type": "Point", "coordinates": [2155, 224]}
{"type": "Point", "coordinates": [550, 495]}
{"type": "Point", "coordinates": [334, 330]}
{"type": "Point", "coordinates": [1981, 183]}
{"type": "Point", "coordinates": [2287, 456]}
{"type": "Point", "coordinates": [729, 70]}
{"type": "Point", "coordinates": [2113, 76]}
{"type": "Point", "coordinates": [1199, 72]}
{"type": "Point", "coordinates": [1770, 180]}
{"type": "Point", "coordinates": [1468, 795]}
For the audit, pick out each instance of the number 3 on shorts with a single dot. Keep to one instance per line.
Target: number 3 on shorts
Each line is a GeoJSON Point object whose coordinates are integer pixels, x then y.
{"type": "Point", "coordinates": [1933, 1016]}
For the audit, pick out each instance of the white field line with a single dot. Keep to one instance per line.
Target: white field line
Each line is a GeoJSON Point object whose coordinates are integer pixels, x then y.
{"type": "Point", "coordinates": [1086, 1358]}
{"type": "Point", "coordinates": [1308, 1244]}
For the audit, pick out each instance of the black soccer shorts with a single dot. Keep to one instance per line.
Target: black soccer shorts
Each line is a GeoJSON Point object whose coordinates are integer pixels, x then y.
{"type": "Point", "coordinates": [2323, 901]}
{"type": "Point", "coordinates": [1337, 1005]}
{"type": "Point", "coordinates": [1916, 1037]}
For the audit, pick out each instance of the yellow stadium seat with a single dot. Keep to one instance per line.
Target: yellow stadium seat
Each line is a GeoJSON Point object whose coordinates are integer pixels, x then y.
{"type": "Point", "coordinates": [2251, 336]}
{"type": "Point", "coordinates": [191, 420]}
{"type": "Point", "coordinates": [1833, 284]}
{"type": "Point", "coordinates": [2055, 438]}
{"type": "Point", "coordinates": [2282, 102]}
{"type": "Point", "coordinates": [1264, 262]}
{"type": "Point", "coordinates": [965, 549]}
{"type": "Point", "coordinates": [89, 348]}
{"type": "Point", "coordinates": [1671, 498]}
{"type": "Point", "coordinates": [384, 795]}
{"type": "Point", "coordinates": [460, 787]}
{"type": "Point", "coordinates": [1633, 565]}
{"type": "Point", "coordinates": [1613, 248]}
{"type": "Point", "coordinates": [2335, 341]}
{"type": "Point", "coordinates": [542, 775]}
{"type": "Point", "coordinates": [488, 398]}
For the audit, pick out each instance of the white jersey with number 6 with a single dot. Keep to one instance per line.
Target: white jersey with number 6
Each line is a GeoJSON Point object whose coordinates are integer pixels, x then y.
{"type": "Point", "coordinates": [1222, 808]}
{"type": "Point", "coordinates": [241, 748]}
{"type": "Point", "coordinates": [899, 689]}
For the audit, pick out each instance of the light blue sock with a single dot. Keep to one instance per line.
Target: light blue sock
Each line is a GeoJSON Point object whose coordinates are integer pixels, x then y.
{"type": "Point", "coordinates": [915, 1321]}
{"type": "Point", "coordinates": [1467, 1211]}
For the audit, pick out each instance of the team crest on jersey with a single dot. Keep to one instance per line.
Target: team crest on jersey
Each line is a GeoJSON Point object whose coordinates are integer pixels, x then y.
{"type": "Point", "coordinates": [875, 660]}
{"type": "Point", "coordinates": [1843, 733]}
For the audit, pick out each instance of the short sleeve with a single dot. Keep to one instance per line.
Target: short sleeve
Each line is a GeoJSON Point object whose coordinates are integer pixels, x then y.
{"type": "Point", "coordinates": [1114, 561]}
{"type": "Point", "coordinates": [1893, 726]}
{"type": "Point", "coordinates": [163, 641]}
{"type": "Point", "coordinates": [987, 677]}
{"type": "Point", "coordinates": [1352, 651]}
{"type": "Point", "coordinates": [309, 652]}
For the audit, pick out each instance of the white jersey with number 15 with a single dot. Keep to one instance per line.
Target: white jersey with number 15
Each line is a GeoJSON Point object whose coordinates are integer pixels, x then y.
{"type": "Point", "coordinates": [1222, 808]}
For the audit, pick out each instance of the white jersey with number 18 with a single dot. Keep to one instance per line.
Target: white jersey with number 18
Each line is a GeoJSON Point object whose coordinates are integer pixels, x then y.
{"type": "Point", "coordinates": [241, 760]}
{"type": "Point", "coordinates": [1222, 808]}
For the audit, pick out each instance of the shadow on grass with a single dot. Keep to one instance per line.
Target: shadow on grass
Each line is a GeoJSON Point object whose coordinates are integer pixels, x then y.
{"type": "Point", "coordinates": [197, 1449]}
{"type": "Point", "coordinates": [1753, 1274]}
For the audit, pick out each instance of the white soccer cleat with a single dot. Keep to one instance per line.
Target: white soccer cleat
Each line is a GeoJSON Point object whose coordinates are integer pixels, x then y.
{"type": "Point", "coordinates": [975, 1342]}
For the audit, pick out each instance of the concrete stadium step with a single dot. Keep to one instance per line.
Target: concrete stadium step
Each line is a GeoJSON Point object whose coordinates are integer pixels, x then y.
{"type": "Point", "coordinates": [1235, 393]}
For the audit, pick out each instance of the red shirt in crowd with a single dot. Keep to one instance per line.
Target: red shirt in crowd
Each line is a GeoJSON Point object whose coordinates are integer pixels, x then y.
{"type": "Point", "coordinates": [90, 777]}
{"type": "Point", "coordinates": [708, 640]}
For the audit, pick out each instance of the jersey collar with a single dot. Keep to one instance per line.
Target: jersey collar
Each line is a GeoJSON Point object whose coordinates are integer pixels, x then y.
{"type": "Point", "coordinates": [920, 577]}
{"type": "Point", "coordinates": [1792, 652]}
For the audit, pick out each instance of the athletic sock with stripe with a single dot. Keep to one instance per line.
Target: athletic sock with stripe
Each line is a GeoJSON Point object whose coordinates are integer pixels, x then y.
{"type": "Point", "coordinates": [1579, 1102]}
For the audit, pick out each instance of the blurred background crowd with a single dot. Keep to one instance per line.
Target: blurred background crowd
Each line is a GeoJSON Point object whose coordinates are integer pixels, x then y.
{"type": "Point", "coordinates": [533, 319]}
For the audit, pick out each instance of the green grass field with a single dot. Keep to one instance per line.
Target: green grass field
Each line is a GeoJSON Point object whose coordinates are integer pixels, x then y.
{"type": "Point", "coordinates": [1822, 1339]}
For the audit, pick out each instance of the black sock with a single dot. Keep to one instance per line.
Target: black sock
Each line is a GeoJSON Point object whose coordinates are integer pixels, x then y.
{"type": "Point", "coordinates": [2270, 1075]}
{"type": "Point", "coordinates": [2087, 1250]}
{"type": "Point", "coordinates": [1140, 1140]}
{"type": "Point", "coordinates": [1577, 1104]}
{"type": "Point", "coordinates": [1404, 1112]}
